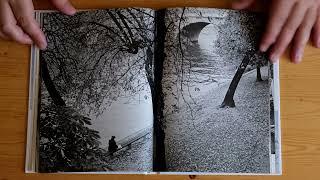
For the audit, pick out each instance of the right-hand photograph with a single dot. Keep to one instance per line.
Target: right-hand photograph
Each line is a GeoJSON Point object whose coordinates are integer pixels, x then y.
{"type": "Point", "coordinates": [217, 114]}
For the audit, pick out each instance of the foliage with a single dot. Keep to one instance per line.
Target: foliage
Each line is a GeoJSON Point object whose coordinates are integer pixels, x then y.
{"type": "Point", "coordinates": [96, 57]}
{"type": "Point", "coordinates": [66, 141]}
{"type": "Point", "coordinates": [177, 67]}
{"type": "Point", "coordinates": [244, 32]}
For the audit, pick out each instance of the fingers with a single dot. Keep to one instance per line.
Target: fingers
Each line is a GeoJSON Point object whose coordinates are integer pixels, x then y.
{"type": "Point", "coordinates": [64, 6]}
{"type": "Point", "coordinates": [3, 36]}
{"type": "Point", "coordinates": [290, 21]}
{"type": "Point", "coordinates": [242, 4]}
{"type": "Point", "coordinates": [303, 35]}
{"type": "Point", "coordinates": [15, 33]}
{"type": "Point", "coordinates": [23, 12]}
{"type": "Point", "coordinates": [316, 32]}
{"type": "Point", "coordinates": [288, 31]}
{"type": "Point", "coordinates": [9, 29]}
{"type": "Point", "coordinates": [17, 21]}
{"type": "Point", "coordinates": [280, 11]}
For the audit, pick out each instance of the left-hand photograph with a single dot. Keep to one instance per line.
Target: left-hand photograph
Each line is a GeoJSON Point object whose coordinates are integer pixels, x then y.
{"type": "Point", "coordinates": [95, 81]}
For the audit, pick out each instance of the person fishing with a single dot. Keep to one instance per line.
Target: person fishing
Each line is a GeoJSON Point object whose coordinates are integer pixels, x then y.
{"type": "Point", "coordinates": [113, 147]}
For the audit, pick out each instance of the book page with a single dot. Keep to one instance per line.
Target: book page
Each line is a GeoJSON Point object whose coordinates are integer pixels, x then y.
{"type": "Point", "coordinates": [96, 102]}
{"type": "Point", "coordinates": [218, 95]}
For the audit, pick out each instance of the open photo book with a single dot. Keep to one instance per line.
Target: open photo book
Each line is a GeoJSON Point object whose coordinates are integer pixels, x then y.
{"type": "Point", "coordinates": [137, 90]}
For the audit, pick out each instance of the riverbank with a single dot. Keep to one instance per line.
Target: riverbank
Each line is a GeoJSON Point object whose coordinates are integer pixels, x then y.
{"type": "Point", "coordinates": [208, 138]}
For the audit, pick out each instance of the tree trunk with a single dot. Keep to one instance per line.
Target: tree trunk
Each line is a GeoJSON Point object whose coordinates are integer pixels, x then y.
{"type": "Point", "coordinates": [158, 99]}
{"type": "Point", "coordinates": [228, 100]}
{"type": "Point", "coordinates": [259, 78]}
{"type": "Point", "coordinates": [53, 92]}
{"type": "Point", "coordinates": [148, 66]}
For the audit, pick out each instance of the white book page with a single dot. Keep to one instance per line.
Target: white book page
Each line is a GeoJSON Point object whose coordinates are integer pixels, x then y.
{"type": "Point", "coordinates": [217, 116]}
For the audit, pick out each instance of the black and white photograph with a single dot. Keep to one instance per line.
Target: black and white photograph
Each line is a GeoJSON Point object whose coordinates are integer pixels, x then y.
{"type": "Point", "coordinates": [169, 91]}
{"type": "Point", "coordinates": [96, 110]}
{"type": "Point", "coordinates": [216, 86]}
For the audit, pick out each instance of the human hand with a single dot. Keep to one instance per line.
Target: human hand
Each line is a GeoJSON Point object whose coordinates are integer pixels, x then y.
{"type": "Point", "coordinates": [17, 21]}
{"type": "Point", "coordinates": [289, 21]}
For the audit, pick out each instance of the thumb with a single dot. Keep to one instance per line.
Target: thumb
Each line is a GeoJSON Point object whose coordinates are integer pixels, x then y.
{"type": "Point", "coordinates": [242, 4]}
{"type": "Point", "coordinates": [64, 6]}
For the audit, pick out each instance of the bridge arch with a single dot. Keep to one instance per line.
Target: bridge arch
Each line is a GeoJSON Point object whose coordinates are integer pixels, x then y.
{"type": "Point", "coordinates": [193, 30]}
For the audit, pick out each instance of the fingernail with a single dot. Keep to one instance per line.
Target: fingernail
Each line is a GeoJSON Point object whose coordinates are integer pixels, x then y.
{"type": "Point", "coordinates": [263, 48]}
{"type": "Point", "coordinates": [72, 11]}
{"type": "Point", "coordinates": [69, 10]}
{"type": "Point", "coordinates": [43, 45]}
{"type": "Point", "coordinates": [274, 58]}
{"type": "Point", "coordinates": [297, 57]}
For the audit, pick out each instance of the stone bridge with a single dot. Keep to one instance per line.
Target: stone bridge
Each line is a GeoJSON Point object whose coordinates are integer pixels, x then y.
{"type": "Point", "coordinates": [197, 20]}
